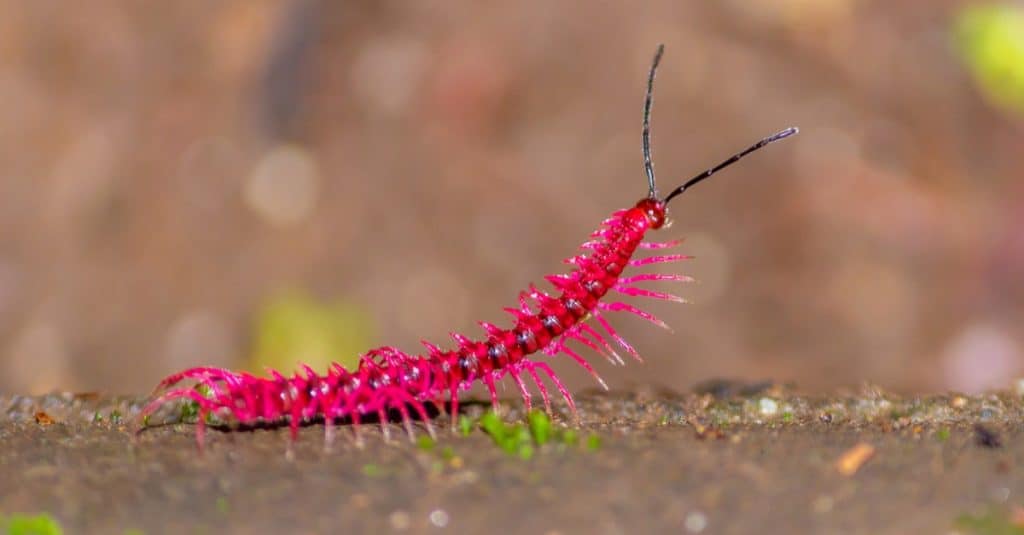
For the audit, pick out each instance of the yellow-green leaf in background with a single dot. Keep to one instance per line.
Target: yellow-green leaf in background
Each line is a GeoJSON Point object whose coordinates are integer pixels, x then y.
{"type": "Point", "coordinates": [990, 38]}
{"type": "Point", "coordinates": [293, 328]}
{"type": "Point", "coordinates": [20, 524]}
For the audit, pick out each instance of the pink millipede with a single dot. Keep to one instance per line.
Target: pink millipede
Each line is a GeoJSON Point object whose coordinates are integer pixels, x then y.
{"type": "Point", "coordinates": [388, 379]}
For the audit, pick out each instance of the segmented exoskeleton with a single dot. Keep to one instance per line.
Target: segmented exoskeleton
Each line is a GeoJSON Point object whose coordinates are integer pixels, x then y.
{"type": "Point", "coordinates": [388, 379]}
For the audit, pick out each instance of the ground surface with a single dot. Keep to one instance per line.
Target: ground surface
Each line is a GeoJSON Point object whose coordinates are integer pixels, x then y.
{"type": "Point", "coordinates": [733, 459]}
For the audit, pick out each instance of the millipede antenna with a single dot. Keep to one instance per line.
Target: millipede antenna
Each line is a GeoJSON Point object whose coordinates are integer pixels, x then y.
{"type": "Point", "coordinates": [733, 159]}
{"type": "Point", "coordinates": [648, 166]}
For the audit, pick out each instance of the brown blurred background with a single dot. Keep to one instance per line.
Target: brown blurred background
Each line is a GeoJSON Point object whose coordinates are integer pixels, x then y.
{"type": "Point", "coordinates": [166, 168]}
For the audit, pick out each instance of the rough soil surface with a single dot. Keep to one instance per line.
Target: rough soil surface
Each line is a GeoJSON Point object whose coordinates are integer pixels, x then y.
{"type": "Point", "coordinates": [728, 459]}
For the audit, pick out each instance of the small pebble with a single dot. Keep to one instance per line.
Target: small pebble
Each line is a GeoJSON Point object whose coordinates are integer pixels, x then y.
{"type": "Point", "coordinates": [439, 518]}
{"type": "Point", "coordinates": [958, 402]}
{"type": "Point", "coordinates": [695, 522]}
{"type": "Point", "coordinates": [768, 406]}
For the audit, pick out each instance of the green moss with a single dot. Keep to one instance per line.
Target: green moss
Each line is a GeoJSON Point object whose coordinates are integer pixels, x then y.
{"type": "Point", "coordinates": [594, 442]}
{"type": "Point", "coordinates": [41, 524]}
{"type": "Point", "coordinates": [787, 417]}
{"type": "Point", "coordinates": [942, 434]}
{"type": "Point", "coordinates": [372, 470]}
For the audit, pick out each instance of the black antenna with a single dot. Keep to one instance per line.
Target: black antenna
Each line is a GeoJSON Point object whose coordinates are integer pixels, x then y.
{"type": "Point", "coordinates": [648, 166]}
{"type": "Point", "coordinates": [733, 159]}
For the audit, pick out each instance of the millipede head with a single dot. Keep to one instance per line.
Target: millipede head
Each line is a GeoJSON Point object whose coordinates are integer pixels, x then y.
{"type": "Point", "coordinates": [652, 207]}
{"type": "Point", "coordinates": [653, 210]}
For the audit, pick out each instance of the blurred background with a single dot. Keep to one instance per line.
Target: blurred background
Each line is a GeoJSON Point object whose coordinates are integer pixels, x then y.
{"type": "Point", "coordinates": [245, 182]}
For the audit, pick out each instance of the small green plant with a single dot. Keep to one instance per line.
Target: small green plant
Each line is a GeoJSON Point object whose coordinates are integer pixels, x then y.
{"type": "Point", "coordinates": [372, 470]}
{"type": "Point", "coordinates": [222, 505]}
{"type": "Point", "coordinates": [425, 443]}
{"type": "Point", "coordinates": [942, 434]}
{"type": "Point", "coordinates": [540, 427]}
{"type": "Point", "coordinates": [522, 440]}
{"type": "Point", "coordinates": [41, 524]}
{"type": "Point", "coordinates": [465, 425]}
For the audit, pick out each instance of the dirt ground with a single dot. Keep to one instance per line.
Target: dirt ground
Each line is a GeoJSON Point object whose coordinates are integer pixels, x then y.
{"type": "Point", "coordinates": [729, 458]}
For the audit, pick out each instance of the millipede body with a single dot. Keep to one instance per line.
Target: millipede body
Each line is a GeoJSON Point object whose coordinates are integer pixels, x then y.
{"type": "Point", "coordinates": [575, 310]}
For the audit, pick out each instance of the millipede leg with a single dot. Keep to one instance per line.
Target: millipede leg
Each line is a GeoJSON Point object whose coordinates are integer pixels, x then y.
{"type": "Point", "coordinates": [489, 381]}
{"type": "Point", "coordinates": [583, 362]}
{"type": "Point", "coordinates": [385, 429]}
{"type": "Point", "coordinates": [623, 307]}
{"type": "Point", "coordinates": [201, 428]}
{"type": "Point", "coordinates": [633, 291]}
{"type": "Point", "coordinates": [205, 405]}
{"type": "Point", "coordinates": [357, 436]}
{"type": "Point", "coordinates": [328, 433]}
{"type": "Point", "coordinates": [422, 411]}
{"type": "Point", "coordinates": [419, 407]}
{"type": "Point", "coordinates": [561, 388]}
{"type": "Point", "coordinates": [615, 358]}
{"type": "Point", "coordinates": [615, 336]}
{"type": "Point", "coordinates": [527, 398]}
{"type": "Point", "coordinates": [540, 386]}
{"type": "Point", "coordinates": [455, 407]}
{"type": "Point", "coordinates": [659, 245]}
{"type": "Point", "coordinates": [406, 421]}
